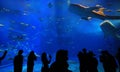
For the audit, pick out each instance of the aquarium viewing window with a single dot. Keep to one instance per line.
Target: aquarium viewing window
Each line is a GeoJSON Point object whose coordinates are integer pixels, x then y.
{"type": "Point", "coordinates": [40, 28]}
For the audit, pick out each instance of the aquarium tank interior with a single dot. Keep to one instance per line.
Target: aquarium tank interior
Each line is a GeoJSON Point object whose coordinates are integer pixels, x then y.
{"type": "Point", "coordinates": [52, 25]}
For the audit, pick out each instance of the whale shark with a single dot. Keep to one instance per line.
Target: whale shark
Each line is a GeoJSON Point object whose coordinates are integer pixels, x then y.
{"type": "Point", "coordinates": [109, 29]}
{"type": "Point", "coordinates": [87, 13]}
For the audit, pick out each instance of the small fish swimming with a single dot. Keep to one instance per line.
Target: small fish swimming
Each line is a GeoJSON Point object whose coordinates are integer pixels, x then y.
{"type": "Point", "coordinates": [68, 1]}
{"type": "Point", "coordinates": [109, 10]}
{"type": "Point", "coordinates": [33, 27]}
{"type": "Point", "coordinates": [1, 25]}
{"type": "Point", "coordinates": [50, 5]}
{"type": "Point", "coordinates": [41, 19]}
{"type": "Point", "coordinates": [109, 4]}
{"type": "Point", "coordinates": [118, 10]}
{"type": "Point", "coordinates": [98, 5]}
{"type": "Point", "coordinates": [1, 50]}
{"type": "Point", "coordinates": [10, 58]}
{"type": "Point", "coordinates": [28, 5]}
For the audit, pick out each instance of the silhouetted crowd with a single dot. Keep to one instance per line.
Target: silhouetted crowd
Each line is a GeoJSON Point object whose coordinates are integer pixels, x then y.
{"type": "Point", "coordinates": [87, 60]}
{"type": "Point", "coordinates": [89, 63]}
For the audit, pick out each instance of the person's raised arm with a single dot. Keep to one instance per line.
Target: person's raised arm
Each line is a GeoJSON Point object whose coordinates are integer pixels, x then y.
{"type": "Point", "coordinates": [3, 56]}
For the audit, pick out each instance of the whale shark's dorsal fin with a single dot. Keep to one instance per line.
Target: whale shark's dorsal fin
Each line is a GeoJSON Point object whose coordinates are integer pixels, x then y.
{"type": "Point", "coordinates": [100, 11]}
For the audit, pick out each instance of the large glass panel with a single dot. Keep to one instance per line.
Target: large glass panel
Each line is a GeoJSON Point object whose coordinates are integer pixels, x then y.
{"type": "Point", "coordinates": [51, 25]}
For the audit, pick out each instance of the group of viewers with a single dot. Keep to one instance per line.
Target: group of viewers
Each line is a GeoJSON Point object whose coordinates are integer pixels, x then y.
{"type": "Point", "coordinates": [87, 60]}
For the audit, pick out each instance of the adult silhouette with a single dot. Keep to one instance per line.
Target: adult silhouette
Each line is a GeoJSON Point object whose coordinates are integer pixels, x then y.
{"type": "Point", "coordinates": [109, 63]}
{"type": "Point", "coordinates": [83, 59]}
{"type": "Point", "coordinates": [60, 65]}
{"type": "Point", "coordinates": [45, 62]}
{"type": "Point", "coordinates": [30, 63]}
{"type": "Point", "coordinates": [92, 62]}
{"type": "Point", "coordinates": [118, 58]}
{"type": "Point", "coordinates": [3, 56]}
{"type": "Point", "coordinates": [18, 62]}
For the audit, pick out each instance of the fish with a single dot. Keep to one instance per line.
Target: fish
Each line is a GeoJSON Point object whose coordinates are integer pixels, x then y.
{"type": "Point", "coordinates": [109, 29]}
{"type": "Point", "coordinates": [11, 11]}
{"type": "Point", "coordinates": [28, 5]}
{"type": "Point", "coordinates": [109, 4]}
{"type": "Point", "coordinates": [10, 59]}
{"type": "Point", "coordinates": [50, 5]}
{"type": "Point", "coordinates": [12, 22]}
{"type": "Point", "coordinates": [118, 10]}
{"type": "Point", "coordinates": [1, 25]}
{"type": "Point", "coordinates": [48, 42]}
{"type": "Point", "coordinates": [109, 10]}
{"type": "Point", "coordinates": [1, 50]}
{"type": "Point", "coordinates": [99, 49]}
{"type": "Point", "coordinates": [24, 24]}
{"type": "Point", "coordinates": [6, 10]}
{"type": "Point", "coordinates": [86, 18]}
{"type": "Point", "coordinates": [68, 1]}
{"type": "Point", "coordinates": [41, 19]}
{"type": "Point", "coordinates": [98, 5]}
{"type": "Point", "coordinates": [33, 27]}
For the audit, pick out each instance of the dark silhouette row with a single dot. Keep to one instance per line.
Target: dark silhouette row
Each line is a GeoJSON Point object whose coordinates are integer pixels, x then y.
{"type": "Point", "coordinates": [60, 65]}
{"type": "Point", "coordinates": [87, 60]}
{"type": "Point", "coordinates": [18, 61]}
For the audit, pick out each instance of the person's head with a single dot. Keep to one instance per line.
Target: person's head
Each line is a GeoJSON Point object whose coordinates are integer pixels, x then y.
{"type": "Point", "coordinates": [44, 55]}
{"type": "Point", "coordinates": [20, 52]}
{"type": "Point", "coordinates": [62, 55]}
{"type": "Point", "coordinates": [104, 52]}
{"type": "Point", "coordinates": [91, 54]}
{"type": "Point", "coordinates": [32, 53]}
{"type": "Point", "coordinates": [84, 50]}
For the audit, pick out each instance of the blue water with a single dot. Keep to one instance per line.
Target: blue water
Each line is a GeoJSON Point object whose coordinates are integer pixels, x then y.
{"type": "Point", "coordinates": [48, 26]}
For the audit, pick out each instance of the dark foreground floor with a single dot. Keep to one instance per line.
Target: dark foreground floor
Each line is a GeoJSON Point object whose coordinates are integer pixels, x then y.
{"type": "Point", "coordinates": [74, 66]}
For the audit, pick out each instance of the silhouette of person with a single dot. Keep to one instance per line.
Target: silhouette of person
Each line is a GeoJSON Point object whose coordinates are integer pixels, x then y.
{"type": "Point", "coordinates": [45, 62]}
{"type": "Point", "coordinates": [118, 58]}
{"type": "Point", "coordinates": [83, 57]}
{"type": "Point", "coordinates": [3, 56]}
{"type": "Point", "coordinates": [18, 62]}
{"type": "Point", "coordinates": [109, 63]}
{"type": "Point", "coordinates": [60, 65]}
{"type": "Point", "coordinates": [92, 62]}
{"type": "Point", "coordinates": [30, 62]}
